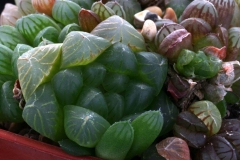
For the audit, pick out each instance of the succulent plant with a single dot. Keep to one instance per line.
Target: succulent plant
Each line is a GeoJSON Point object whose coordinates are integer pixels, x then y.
{"type": "Point", "coordinates": [109, 76]}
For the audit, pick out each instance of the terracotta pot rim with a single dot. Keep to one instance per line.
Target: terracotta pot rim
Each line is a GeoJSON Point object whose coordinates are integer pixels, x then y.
{"type": "Point", "coordinates": [14, 146]}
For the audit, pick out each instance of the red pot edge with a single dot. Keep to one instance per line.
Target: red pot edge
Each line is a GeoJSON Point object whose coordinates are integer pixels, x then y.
{"type": "Point", "coordinates": [14, 146]}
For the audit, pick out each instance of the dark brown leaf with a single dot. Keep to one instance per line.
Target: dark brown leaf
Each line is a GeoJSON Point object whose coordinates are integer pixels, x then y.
{"type": "Point", "coordinates": [230, 125]}
{"type": "Point", "coordinates": [234, 138]}
{"type": "Point", "coordinates": [207, 152]}
{"type": "Point", "coordinates": [194, 139]}
{"type": "Point", "coordinates": [223, 148]}
{"type": "Point", "coordinates": [191, 122]}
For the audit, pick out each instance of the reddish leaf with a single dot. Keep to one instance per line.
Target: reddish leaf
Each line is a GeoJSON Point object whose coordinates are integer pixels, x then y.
{"type": "Point", "coordinates": [165, 30]}
{"type": "Point", "coordinates": [173, 148]}
{"type": "Point", "coordinates": [175, 92]}
{"type": "Point", "coordinates": [174, 43]}
{"type": "Point", "coordinates": [43, 6]}
{"type": "Point", "coordinates": [218, 52]}
{"type": "Point", "coordinates": [88, 20]}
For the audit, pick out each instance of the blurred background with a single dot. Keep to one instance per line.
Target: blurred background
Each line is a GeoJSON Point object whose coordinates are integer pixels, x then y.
{"type": "Point", "coordinates": [3, 2]}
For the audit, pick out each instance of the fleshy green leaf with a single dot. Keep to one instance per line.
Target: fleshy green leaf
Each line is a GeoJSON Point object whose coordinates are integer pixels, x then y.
{"type": "Point", "coordinates": [116, 29]}
{"type": "Point", "coordinates": [50, 33]}
{"type": "Point", "coordinates": [138, 96]}
{"type": "Point", "coordinates": [74, 149]}
{"type": "Point", "coordinates": [152, 122]}
{"type": "Point", "coordinates": [197, 65]}
{"type": "Point", "coordinates": [168, 109]}
{"type": "Point", "coordinates": [84, 3]}
{"type": "Point", "coordinates": [84, 126]}
{"type": "Point", "coordinates": [5, 60]}
{"type": "Point", "coordinates": [115, 103]}
{"type": "Point", "coordinates": [67, 85]}
{"type": "Point", "coordinates": [5, 78]}
{"type": "Point", "coordinates": [116, 141]}
{"type": "Point", "coordinates": [93, 74]}
{"type": "Point", "coordinates": [67, 29]}
{"type": "Point", "coordinates": [209, 114]}
{"type": "Point", "coordinates": [222, 107]}
{"type": "Point", "coordinates": [102, 10]}
{"type": "Point", "coordinates": [209, 39]}
{"type": "Point", "coordinates": [115, 82]}
{"type": "Point", "coordinates": [25, 7]}
{"type": "Point", "coordinates": [81, 48]}
{"type": "Point", "coordinates": [45, 42]}
{"type": "Point", "coordinates": [9, 107]}
{"type": "Point", "coordinates": [10, 37]}
{"type": "Point", "coordinates": [29, 26]}
{"type": "Point", "coordinates": [232, 98]}
{"type": "Point", "coordinates": [37, 66]}
{"type": "Point", "coordinates": [173, 148]}
{"type": "Point", "coordinates": [18, 51]}
{"type": "Point", "coordinates": [117, 8]}
{"type": "Point", "coordinates": [93, 99]}
{"type": "Point", "coordinates": [131, 117]}
{"type": "Point", "coordinates": [65, 12]}
{"type": "Point", "coordinates": [130, 7]}
{"type": "Point", "coordinates": [119, 58]}
{"type": "Point", "coordinates": [43, 113]}
{"type": "Point", "coordinates": [152, 68]}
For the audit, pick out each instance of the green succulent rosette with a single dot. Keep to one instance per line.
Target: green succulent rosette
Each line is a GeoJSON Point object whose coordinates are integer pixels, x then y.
{"type": "Point", "coordinates": [77, 89]}
{"type": "Point", "coordinates": [197, 65]}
